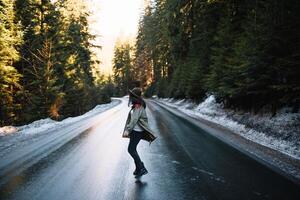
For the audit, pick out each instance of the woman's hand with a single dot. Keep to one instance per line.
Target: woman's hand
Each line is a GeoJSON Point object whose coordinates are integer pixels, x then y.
{"type": "Point", "coordinates": [125, 134]}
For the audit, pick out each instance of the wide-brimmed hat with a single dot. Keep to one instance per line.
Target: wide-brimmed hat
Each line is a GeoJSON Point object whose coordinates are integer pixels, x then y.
{"type": "Point", "coordinates": [136, 92]}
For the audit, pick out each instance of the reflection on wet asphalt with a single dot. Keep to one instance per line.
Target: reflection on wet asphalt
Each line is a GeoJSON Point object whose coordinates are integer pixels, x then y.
{"type": "Point", "coordinates": [183, 163]}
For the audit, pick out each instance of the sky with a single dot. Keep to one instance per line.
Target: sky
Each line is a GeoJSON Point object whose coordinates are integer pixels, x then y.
{"type": "Point", "coordinates": [110, 20]}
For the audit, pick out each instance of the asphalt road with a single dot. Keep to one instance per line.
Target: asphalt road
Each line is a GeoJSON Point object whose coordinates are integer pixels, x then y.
{"type": "Point", "coordinates": [185, 162]}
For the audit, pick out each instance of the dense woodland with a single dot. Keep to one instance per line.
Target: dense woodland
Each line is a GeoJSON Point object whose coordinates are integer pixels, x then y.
{"type": "Point", "coordinates": [246, 53]}
{"type": "Point", "coordinates": [47, 68]}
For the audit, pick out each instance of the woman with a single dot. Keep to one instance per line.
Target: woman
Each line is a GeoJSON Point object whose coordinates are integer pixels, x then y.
{"type": "Point", "coordinates": [137, 128]}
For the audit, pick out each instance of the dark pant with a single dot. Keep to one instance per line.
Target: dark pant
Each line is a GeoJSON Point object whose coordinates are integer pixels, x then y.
{"type": "Point", "coordinates": [135, 137]}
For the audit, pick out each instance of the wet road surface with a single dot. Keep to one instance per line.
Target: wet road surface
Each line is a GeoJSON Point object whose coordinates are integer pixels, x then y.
{"type": "Point", "coordinates": [184, 162]}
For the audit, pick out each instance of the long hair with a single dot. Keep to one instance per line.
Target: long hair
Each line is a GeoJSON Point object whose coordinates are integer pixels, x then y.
{"type": "Point", "coordinates": [135, 100]}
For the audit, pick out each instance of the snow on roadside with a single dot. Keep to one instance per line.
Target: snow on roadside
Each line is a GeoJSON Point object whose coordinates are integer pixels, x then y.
{"type": "Point", "coordinates": [281, 132]}
{"type": "Point", "coordinates": [7, 130]}
{"type": "Point", "coordinates": [46, 124]}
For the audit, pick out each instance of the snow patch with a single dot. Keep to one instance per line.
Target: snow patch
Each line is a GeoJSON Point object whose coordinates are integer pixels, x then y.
{"type": "Point", "coordinates": [7, 130]}
{"type": "Point", "coordinates": [43, 125]}
{"type": "Point", "coordinates": [281, 132]}
{"type": "Point", "coordinates": [175, 162]}
{"type": "Point", "coordinates": [38, 126]}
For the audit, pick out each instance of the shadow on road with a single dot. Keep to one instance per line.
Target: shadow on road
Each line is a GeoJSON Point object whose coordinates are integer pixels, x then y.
{"type": "Point", "coordinates": [138, 189]}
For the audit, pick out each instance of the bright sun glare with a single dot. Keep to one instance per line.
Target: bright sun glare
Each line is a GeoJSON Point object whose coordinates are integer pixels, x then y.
{"type": "Point", "coordinates": [110, 20]}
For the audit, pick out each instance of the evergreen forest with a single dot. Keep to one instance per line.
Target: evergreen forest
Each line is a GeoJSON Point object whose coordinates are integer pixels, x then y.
{"type": "Point", "coordinates": [47, 67]}
{"type": "Point", "coordinates": [245, 53]}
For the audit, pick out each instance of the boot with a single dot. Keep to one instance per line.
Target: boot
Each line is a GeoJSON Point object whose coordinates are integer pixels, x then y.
{"type": "Point", "coordinates": [142, 171]}
{"type": "Point", "coordinates": [135, 171]}
{"type": "Point", "coordinates": [136, 168]}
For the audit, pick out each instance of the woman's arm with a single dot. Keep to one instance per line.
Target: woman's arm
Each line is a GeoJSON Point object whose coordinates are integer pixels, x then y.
{"type": "Point", "coordinates": [136, 114]}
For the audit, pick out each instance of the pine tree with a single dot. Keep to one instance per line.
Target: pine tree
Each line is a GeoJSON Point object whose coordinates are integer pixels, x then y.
{"type": "Point", "coordinates": [10, 40]}
{"type": "Point", "coordinates": [123, 68]}
{"type": "Point", "coordinates": [143, 66]}
{"type": "Point", "coordinates": [243, 52]}
{"type": "Point", "coordinates": [39, 19]}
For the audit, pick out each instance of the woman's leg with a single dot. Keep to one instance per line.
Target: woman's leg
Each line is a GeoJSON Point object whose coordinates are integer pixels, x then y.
{"type": "Point", "coordinates": [135, 138]}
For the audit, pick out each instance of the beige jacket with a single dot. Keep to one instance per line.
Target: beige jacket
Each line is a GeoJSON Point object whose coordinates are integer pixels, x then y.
{"type": "Point", "coordinates": [139, 116]}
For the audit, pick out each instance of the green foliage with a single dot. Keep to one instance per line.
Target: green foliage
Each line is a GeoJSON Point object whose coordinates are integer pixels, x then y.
{"type": "Point", "coordinates": [10, 39]}
{"type": "Point", "coordinates": [47, 68]}
{"type": "Point", "coordinates": [123, 68]}
{"type": "Point", "coordinates": [246, 53]}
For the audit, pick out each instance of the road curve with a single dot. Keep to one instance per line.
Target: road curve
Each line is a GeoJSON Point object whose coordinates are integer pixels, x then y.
{"type": "Point", "coordinates": [185, 162]}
